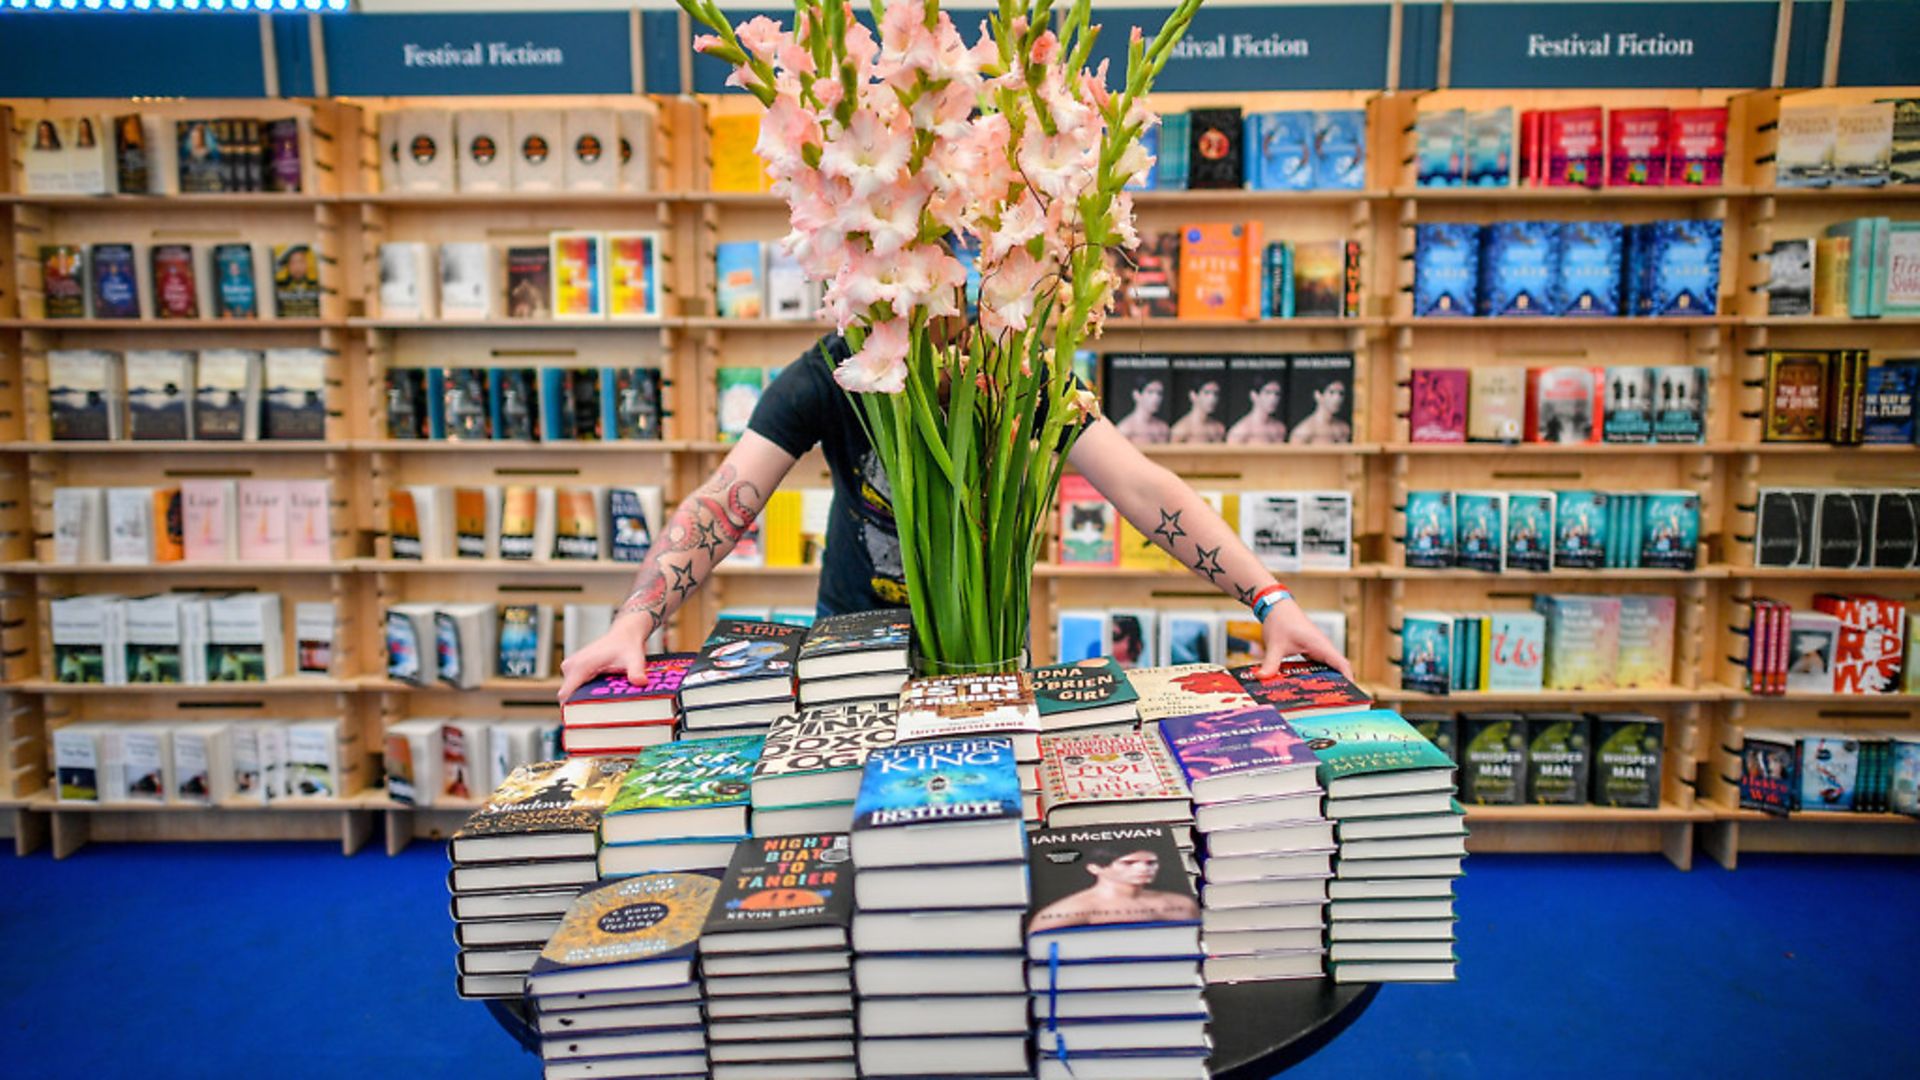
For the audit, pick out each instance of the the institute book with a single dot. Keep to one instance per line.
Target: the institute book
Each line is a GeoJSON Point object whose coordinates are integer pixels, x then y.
{"type": "Point", "coordinates": [784, 893]}
{"type": "Point", "coordinates": [970, 788]}
{"type": "Point", "coordinates": [544, 810]}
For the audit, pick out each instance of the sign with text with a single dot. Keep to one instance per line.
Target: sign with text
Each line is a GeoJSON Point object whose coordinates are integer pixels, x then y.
{"type": "Point", "coordinates": [135, 55]}
{"type": "Point", "coordinates": [1516, 45]}
{"type": "Point", "coordinates": [562, 52]}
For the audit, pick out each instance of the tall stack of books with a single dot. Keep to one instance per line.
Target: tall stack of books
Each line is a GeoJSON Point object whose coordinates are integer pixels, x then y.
{"type": "Point", "coordinates": [809, 771]}
{"type": "Point", "coordinates": [1402, 839]}
{"type": "Point", "coordinates": [741, 680]}
{"type": "Point", "coordinates": [614, 990]}
{"type": "Point", "coordinates": [682, 806]}
{"type": "Point", "coordinates": [1113, 955]}
{"type": "Point", "coordinates": [1089, 780]}
{"type": "Point", "coordinates": [860, 656]}
{"type": "Point", "coordinates": [1267, 851]}
{"type": "Point", "coordinates": [971, 706]}
{"type": "Point", "coordinates": [1085, 697]}
{"type": "Point", "coordinates": [775, 960]}
{"type": "Point", "coordinates": [612, 715]}
{"type": "Point", "coordinates": [942, 888]}
{"type": "Point", "coordinates": [518, 863]}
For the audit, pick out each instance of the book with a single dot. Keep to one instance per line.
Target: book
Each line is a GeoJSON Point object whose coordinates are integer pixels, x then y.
{"type": "Point", "coordinates": [1790, 277]}
{"type": "Point", "coordinates": [1863, 144]}
{"type": "Point", "coordinates": [1440, 147]}
{"type": "Point", "coordinates": [1326, 530]}
{"type": "Point", "coordinates": [579, 275]}
{"type": "Point", "coordinates": [1575, 146]}
{"type": "Point", "coordinates": [631, 934]}
{"type": "Point", "coordinates": [1091, 692]}
{"type": "Point", "coordinates": [633, 275]}
{"type": "Point", "coordinates": [1796, 387]}
{"type": "Point", "coordinates": [740, 279]}
{"type": "Point", "coordinates": [1583, 641]}
{"type": "Point", "coordinates": [406, 281]}
{"type": "Point", "coordinates": [1319, 278]}
{"type": "Point", "coordinates": [1867, 658]}
{"type": "Point", "coordinates": [1186, 690]}
{"type": "Point", "coordinates": [1215, 148]}
{"type": "Point", "coordinates": [1479, 520]}
{"type": "Point", "coordinates": [1493, 759]}
{"type": "Point", "coordinates": [1637, 147]}
{"type": "Point", "coordinates": [1239, 753]}
{"type": "Point", "coordinates": [227, 395]}
{"type": "Point", "coordinates": [1303, 687]}
{"type": "Point", "coordinates": [1373, 753]}
{"type": "Point", "coordinates": [1339, 149]}
{"type": "Point", "coordinates": [545, 810]}
{"type": "Point", "coordinates": [611, 699]}
{"type": "Point", "coordinates": [737, 394]}
{"type": "Point", "coordinates": [1646, 641]}
{"type": "Point", "coordinates": [743, 661]}
{"type": "Point", "coordinates": [1530, 534]}
{"type": "Point", "coordinates": [1672, 530]}
{"type": "Point", "coordinates": [175, 293]}
{"type": "Point", "coordinates": [1103, 779]}
{"type": "Point", "coordinates": [1489, 147]}
{"type": "Point", "coordinates": [1270, 527]}
{"type": "Point", "coordinates": [816, 756]}
{"type": "Point", "coordinates": [1199, 384]}
{"type": "Point", "coordinates": [1887, 402]}
{"type": "Point", "coordinates": [1074, 916]}
{"type": "Point", "coordinates": [632, 517]}
{"type": "Point", "coordinates": [1557, 765]}
{"type": "Point", "coordinates": [1137, 390]}
{"type": "Point", "coordinates": [684, 790]}
{"type": "Point", "coordinates": [1279, 151]}
{"type": "Point", "coordinates": [1089, 525]}
{"type": "Point", "coordinates": [1438, 405]}
{"type": "Point", "coordinates": [1147, 280]}
{"type": "Point", "coordinates": [1587, 277]}
{"type": "Point", "coordinates": [1214, 269]}
{"type": "Point", "coordinates": [1430, 530]}
{"type": "Point", "coordinates": [1564, 404]}
{"type": "Point", "coordinates": [735, 167]}
{"type": "Point", "coordinates": [961, 706]}
{"type": "Point", "coordinates": [294, 401]}
{"type": "Point", "coordinates": [1496, 404]}
{"type": "Point", "coordinates": [1679, 404]}
{"type": "Point", "coordinates": [856, 643]}
{"type": "Point", "coordinates": [159, 393]}
{"type": "Point", "coordinates": [1696, 146]}
{"type": "Point", "coordinates": [1446, 269]}
{"type": "Point", "coordinates": [1513, 651]}
{"type": "Point", "coordinates": [1682, 263]}
{"type": "Point", "coordinates": [113, 288]}
{"type": "Point", "coordinates": [296, 282]}
{"type": "Point", "coordinates": [1829, 771]}
{"type": "Point", "coordinates": [1320, 399]}
{"type": "Point", "coordinates": [529, 282]}
{"type": "Point", "coordinates": [966, 789]}
{"type": "Point", "coordinates": [1517, 268]}
{"type": "Point", "coordinates": [1426, 652]}
{"type": "Point", "coordinates": [783, 894]}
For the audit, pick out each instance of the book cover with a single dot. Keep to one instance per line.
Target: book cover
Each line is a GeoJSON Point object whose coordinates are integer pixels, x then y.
{"type": "Point", "coordinates": [1480, 530]}
{"type": "Point", "coordinates": [1234, 742]}
{"type": "Point", "coordinates": [630, 516]}
{"type": "Point", "coordinates": [1796, 408]}
{"type": "Point", "coordinates": [633, 275]}
{"type": "Point", "coordinates": [746, 650]}
{"type": "Point", "coordinates": [1107, 876]}
{"type": "Point", "coordinates": [943, 780]}
{"type": "Point", "coordinates": [1575, 147]}
{"type": "Point", "coordinates": [1587, 278]}
{"type": "Point", "coordinates": [1627, 754]}
{"type": "Point", "coordinates": [829, 738]}
{"type": "Point", "coordinates": [1430, 529]}
{"type": "Point", "coordinates": [1367, 743]}
{"type": "Point", "coordinates": [1214, 149]}
{"type": "Point", "coordinates": [159, 394]}
{"type": "Point", "coordinates": [1270, 527]}
{"type": "Point", "coordinates": [294, 404]}
{"type": "Point", "coordinates": [1426, 652]}
{"type": "Point", "coordinates": [1213, 271]}
{"type": "Point", "coordinates": [1646, 641]}
{"type": "Point", "coordinates": [1147, 280]}
{"type": "Point", "coordinates": [576, 532]}
{"type": "Point", "coordinates": [199, 159]}
{"type": "Point", "coordinates": [1440, 138]}
{"type": "Point", "coordinates": [1199, 385]}
{"type": "Point", "coordinates": [1529, 540]}
{"type": "Point", "coordinates": [1516, 646]}
{"type": "Point", "coordinates": [1089, 525]}
{"type": "Point", "coordinates": [1079, 635]}
{"type": "Point", "coordinates": [227, 391]}
{"type": "Point", "coordinates": [1301, 685]}
{"type": "Point", "coordinates": [734, 165]}
{"type": "Point", "coordinates": [1090, 770]}
{"type": "Point", "coordinates": [632, 397]}
{"type": "Point", "coordinates": [529, 283]}
{"type": "Point", "coordinates": [1170, 171]}
{"type": "Point", "coordinates": [689, 775]}
{"type": "Point", "coordinates": [1096, 682]}
{"type": "Point", "coordinates": [1813, 640]}
{"type": "Point", "coordinates": [1683, 265]}
{"type": "Point", "coordinates": [1887, 403]}
{"type": "Point", "coordinates": [653, 917]}
{"type": "Point", "coordinates": [1583, 641]}
{"type": "Point", "coordinates": [112, 278]}
{"type": "Point", "coordinates": [1137, 392]}
{"type": "Point", "coordinates": [1679, 404]}
{"type": "Point", "coordinates": [737, 394]}
{"type": "Point", "coordinates": [1517, 264]}
{"type": "Point", "coordinates": [63, 281]}
{"type": "Point", "coordinates": [1279, 151]}
{"type": "Point", "coordinates": [549, 797]}
{"type": "Point", "coordinates": [1340, 149]}
{"type": "Point", "coordinates": [235, 294]}
{"type": "Point", "coordinates": [1769, 772]}
{"type": "Point", "coordinates": [1489, 142]}
{"type": "Point", "coordinates": [1438, 408]}
{"type": "Point", "coordinates": [1829, 772]}
{"type": "Point", "coordinates": [740, 279]}
{"type": "Point", "coordinates": [175, 294]}
{"type": "Point", "coordinates": [880, 630]}
{"type": "Point", "coordinates": [1493, 759]}
{"type": "Point", "coordinates": [785, 883]}
{"type": "Point", "coordinates": [1320, 399]}
{"type": "Point", "coordinates": [1557, 765]}
{"type": "Point", "coordinates": [1790, 277]}
{"type": "Point", "coordinates": [520, 644]}
{"type": "Point", "coordinates": [1446, 269]}
{"type": "Point", "coordinates": [467, 289]}
{"type": "Point", "coordinates": [1186, 690]}
{"type": "Point", "coordinates": [1867, 659]}
{"type": "Point", "coordinates": [1696, 147]}
{"type": "Point", "coordinates": [1319, 278]}
{"type": "Point", "coordinates": [1863, 144]}
{"type": "Point", "coordinates": [1564, 404]}
{"type": "Point", "coordinates": [579, 275]}
{"type": "Point", "coordinates": [1580, 530]}
{"type": "Point", "coordinates": [296, 282]}
{"type": "Point", "coordinates": [1496, 404]}
{"type": "Point", "coordinates": [1671, 536]}
{"type": "Point", "coordinates": [662, 679]}
{"type": "Point", "coordinates": [957, 706]}
{"type": "Point", "coordinates": [1637, 147]}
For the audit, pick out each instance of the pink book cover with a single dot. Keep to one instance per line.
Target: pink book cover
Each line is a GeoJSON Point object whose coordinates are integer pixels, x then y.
{"type": "Point", "coordinates": [203, 524]}
{"type": "Point", "coordinates": [1696, 147]}
{"type": "Point", "coordinates": [1438, 412]}
{"type": "Point", "coordinates": [309, 523]}
{"type": "Point", "coordinates": [1637, 148]}
{"type": "Point", "coordinates": [1575, 145]}
{"type": "Point", "coordinates": [263, 521]}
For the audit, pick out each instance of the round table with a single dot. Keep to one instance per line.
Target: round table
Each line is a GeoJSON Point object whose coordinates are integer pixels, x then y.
{"type": "Point", "coordinates": [1259, 1028]}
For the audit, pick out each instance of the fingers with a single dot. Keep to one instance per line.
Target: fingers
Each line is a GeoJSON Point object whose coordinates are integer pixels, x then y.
{"type": "Point", "coordinates": [1271, 662]}
{"type": "Point", "coordinates": [636, 661]}
{"type": "Point", "coordinates": [573, 675]}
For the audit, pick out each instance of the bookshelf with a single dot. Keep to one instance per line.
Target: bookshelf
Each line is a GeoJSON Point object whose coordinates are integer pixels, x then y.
{"type": "Point", "coordinates": [345, 214]}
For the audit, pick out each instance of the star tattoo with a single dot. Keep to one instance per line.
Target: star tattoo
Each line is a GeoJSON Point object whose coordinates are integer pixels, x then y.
{"type": "Point", "coordinates": [1207, 561]}
{"type": "Point", "coordinates": [1169, 529]}
{"type": "Point", "coordinates": [707, 538]}
{"type": "Point", "coordinates": [683, 580]}
{"type": "Point", "coordinates": [1244, 593]}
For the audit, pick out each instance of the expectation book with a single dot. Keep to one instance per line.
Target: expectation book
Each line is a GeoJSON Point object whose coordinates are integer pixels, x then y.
{"type": "Point", "coordinates": [1236, 754]}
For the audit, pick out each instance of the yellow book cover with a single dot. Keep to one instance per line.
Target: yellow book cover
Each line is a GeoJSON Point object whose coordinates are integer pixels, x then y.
{"type": "Point", "coordinates": [169, 532]}
{"type": "Point", "coordinates": [470, 523]}
{"type": "Point", "coordinates": [736, 168]}
{"type": "Point", "coordinates": [1246, 644]}
{"type": "Point", "coordinates": [1832, 256]}
{"type": "Point", "coordinates": [403, 525]}
{"type": "Point", "coordinates": [1137, 552]}
{"type": "Point", "coordinates": [576, 532]}
{"type": "Point", "coordinates": [780, 530]}
{"type": "Point", "coordinates": [1486, 655]}
{"type": "Point", "coordinates": [519, 507]}
{"type": "Point", "coordinates": [633, 275]}
{"type": "Point", "coordinates": [577, 276]}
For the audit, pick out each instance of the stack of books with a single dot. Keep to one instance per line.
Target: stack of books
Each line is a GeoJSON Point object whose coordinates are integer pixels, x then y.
{"type": "Point", "coordinates": [809, 771]}
{"type": "Point", "coordinates": [1113, 952]}
{"type": "Point", "coordinates": [611, 715]}
{"type": "Point", "coordinates": [1098, 779]}
{"type": "Point", "coordinates": [1402, 839]}
{"type": "Point", "coordinates": [775, 960]}
{"type": "Point", "coordinates": [741, 681]}
{"type": "Point", "coordinates": [1085, 697]}
{"type": "Point", "coordinates": [856, 657]}
{"type": "Point", "coordinates": [682, 806]}
{"type": "Point", "coordinates": [1185, 690]}
{"type": "Point", "coordinates": [518, 863]}
{"type": "Point", "coordinates": [971, 706]}
{"type": "Point", "coordinates": [1267, 851]}
{"type": "Point", "coordinates": [942, 888]}
{"type": "Point", "coordinates": [614, 991]}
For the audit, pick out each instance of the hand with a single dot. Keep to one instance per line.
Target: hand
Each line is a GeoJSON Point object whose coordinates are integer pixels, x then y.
{"type": "Point", "coordinates": [1288, 631]}
{"type": "Point", "coordinates": [622, 648]}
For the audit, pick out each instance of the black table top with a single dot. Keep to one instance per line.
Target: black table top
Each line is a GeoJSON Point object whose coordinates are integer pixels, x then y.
{"type": "Point", "coordinates": [1259, 1028]}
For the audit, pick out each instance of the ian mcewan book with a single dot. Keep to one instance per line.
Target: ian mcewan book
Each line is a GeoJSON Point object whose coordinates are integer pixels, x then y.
{"type": "Point", "coordinates": [1108, 877]}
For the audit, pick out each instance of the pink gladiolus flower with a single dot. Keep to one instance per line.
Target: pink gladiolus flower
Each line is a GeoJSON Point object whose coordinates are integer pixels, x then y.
{"type": "Point", "coordinates": [1008, 292]}
{"type": "Point", "coordinates": [1019, 223]}
{"type": "Point", "coordinates": [870, 154]}
{"type": "Point", "coordinates": [1057, 165]}
{"type": "Point", "coordinates": [890, 219]}
{"type": "Point", "coordinates": [784, 131]}
{"type": "Point", "coordinates": [706, 41]}
{"type": "Point", "coordinates": [1046, 48]}
{"type": "Point", "coordinates": [880, 365]}
{"type": "Point", "coordinates": [762, 37]}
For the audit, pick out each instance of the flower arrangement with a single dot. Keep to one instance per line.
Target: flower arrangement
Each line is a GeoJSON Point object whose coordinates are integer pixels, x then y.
{"type": "Point", "coordinates": [900, 156]}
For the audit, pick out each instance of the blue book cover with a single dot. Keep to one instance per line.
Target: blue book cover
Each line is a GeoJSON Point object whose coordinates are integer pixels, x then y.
{"type": "Point", "coordinates": [1280, 151]}
{"type": "Point", "coordinates": [1516, 650]}
{"type": "Point", "coordinates": [1530, 531]}
{"type": "Point", "coordinates": [1340, 149]}
{"type": "Point", "coordinates": [1479, 524]}
{"type": "Point", "coordinates": [234, 294]}
{"type": "Point", "coordinates": [1829, 770]}
{"type": "Point", "coordinates": [1176, 132]}
{"type": "Point", "coordinates": [1489, 138]}
{"type": "Point", "coordinates": [943, 780]}
{"type": "Point", "coordinates": [1633, 270]}
{"type": "Point", "coordinates": [556, 404]}
{"type": "Point", "coordinates": [436, 403]}
{"type": "Point", "coordinates": [1887, 407]}
{"type": "Point", "coordinates": [1149, 142]}
{"type": "Point", "coordinates": [1446, 269]}
{"type": "Point", "coordinates": [1083, 636]}
{"type": "Point", "coordinates": [632, 537]}
{"type": "Point", "coordinates": [1517, 261]}
{"type": "Point", "coordinates": [1426, 652]}
{"type": "Point", "coordinates": [1440, 148]}
{"type": "Point", "coordinates": [1579, 530]}
{"type": "Point", "coordinates": [740, 275]}
{"type": "Point", "coordinates": [1684, 265]}
{"type": "Point", "coordinates": [1429, 537]}
{"type": "Point", "coordinates": [1588, 281]}
{"type": "Point", "coordinates": [1669, 529]}
{"type": "Point", "coordinates": [116, 293]}
{"type": "Point", "coordinates": [512, 403]}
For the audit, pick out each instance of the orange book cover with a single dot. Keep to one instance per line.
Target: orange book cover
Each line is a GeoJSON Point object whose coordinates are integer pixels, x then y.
{"type": "Point", "coordinates": [470, 523]}
{"type": "Point", "coordinates": [519, 509]}
{"type": "Point", "coordinates": [403, 525]}
{"type": "Point", "coordinates": [577, 524]}
{"type": "Point", "coordinates": [1214, 270]}
{"type": "Point", "coordinates": [169, 529]}
{"type": "Point", "coordinates": [735, 166]}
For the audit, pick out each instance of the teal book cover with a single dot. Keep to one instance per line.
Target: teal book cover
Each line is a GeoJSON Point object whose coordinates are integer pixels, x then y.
{"type": "Point", "coordinates": [1829, 772]}
{"type": "Point", "coordinates": [1516, 651]}
{"type": "Point", "coordinates": [689, 775]}
{"type": "Point", "coordinates": [1426, 653]}
{"type": "Point", "coordinates": [943, 780]}
{"type": "Point", "coordinates": [1364, 743]}
{"type": "Point", "coordinates": [1529, 531]}
{"type": "Point", "coordinates": [1670, 538]}
{"type": "Point", "coordinates": [1429, 539]}
{"type": "Point", "coordinates": [1579, 530]}
{"type": "Point", "coordinates": [1479, 518]}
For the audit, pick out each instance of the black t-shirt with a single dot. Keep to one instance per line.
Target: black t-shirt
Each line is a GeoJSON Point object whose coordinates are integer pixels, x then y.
{"type": "Point", "coordinates": [804, 408]}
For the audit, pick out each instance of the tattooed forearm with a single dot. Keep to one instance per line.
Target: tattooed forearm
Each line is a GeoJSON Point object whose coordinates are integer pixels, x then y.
{"type": "Point", "coordinates": [702, 531]}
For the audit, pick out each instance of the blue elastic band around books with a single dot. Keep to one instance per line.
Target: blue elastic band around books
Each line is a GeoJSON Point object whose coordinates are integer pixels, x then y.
{"type": "Point", "coordinates": [1053, 1004]}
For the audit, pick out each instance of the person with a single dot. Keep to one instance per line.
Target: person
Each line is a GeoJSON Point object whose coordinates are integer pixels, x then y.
{"type": "Point", "coordinates": [1143, 424]}
{"type": "Point", "coordinates": [1122, 892]}
{"type": "Point", "coordinates": [861, 567]}
{"type": "Point", "coordinates": [1324, 425]}
{"type": "Point", "coordinates": [1262, 424]}
{"type": "Point", "coordinates": [1199, 424]}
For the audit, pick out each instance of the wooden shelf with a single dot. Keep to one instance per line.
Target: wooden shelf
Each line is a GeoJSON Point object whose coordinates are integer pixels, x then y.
{"type": "Point", "coordinates": [553, 568]}
{"type": "Point", "coordinates": [1584, 698]}
{"type": "Point", "coordinates": [1562, 815]}
{"type": "Point", "coordinates": [761, 326]}
{"type": "Point", "coordinates": [1723, 812]}
{"type": "Point", "coordinates": [433, 325]}
{"type": "Point", "coordinates": [1132, 323]}
{"type": "Point", "coordinates": [1897, 192]}
{"type": "Point", "coordinates": [1816, 448]}
{"type": "Point", "coordinates": [1255, 196]}
{"type": "Point", "coordinates": [1258, 450]}
{"type": "Point", "coordinates": [440, 806]}
{"type": "Point", "coordinates": [1815, 697]}
{"type": "Point", "coordinates": [383, 685]}
{"type": "Point", "coordinates": [1679, 193]}
{"type": "Point", "coordinates": [1415, 573]}
{"type": "Point", "coordinates": [147, 203]}
{"type": "Point", "coordinates": [1553, 322]}
{"type": "Point", "coordinates": [727, 569]}
{"type": "Point", "coordinates": [1787, 573]}
{"type": "Point", "coordinates": [180, 569]}
{"type": "Point", "coordinates": [288, 685]}
{"type": "Point", "coordinates": [156, 446]}
{"type": "Point", "coordinates": [142, 326]}
{"type": "Point", "coordinates": [1358, 572]}
{"type": "Point", "coordinates": [519, 446]}
{"type": "Point", "coordinates": [484, 199]}
{"type": "Point", "coordinates": [1784, 322]}
{"type": "Point", "coordinates": [359, 800]}
{"type": "Point", "coordinates": [1534, 449]}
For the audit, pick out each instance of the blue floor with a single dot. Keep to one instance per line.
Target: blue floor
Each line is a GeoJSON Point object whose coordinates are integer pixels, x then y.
{"type": "Point", "coordinates": [290, 961]}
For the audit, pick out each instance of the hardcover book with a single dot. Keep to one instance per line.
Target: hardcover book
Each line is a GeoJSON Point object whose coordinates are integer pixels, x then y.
{"type": "Point", "coordinates": [1496, 405]}
{"type": "Point", "coordinates": [1186, 690]}
{"type": "Point", "coordinates": [1529, 541]}
{"type": "Point", "coordinates": [1087, 692]}
{"type": "Point", "coordinates": [1769, 772]}
{"type": "Point", "coordinates": [935, 782]}
{"type": "Point", "coordinates": [1480, 522]}
{"type": "Point", "coordinates": [1517, 263]}
{"type": "Point", "coordinates": [1302, 687]}
{"type": "Point", "coordinates": [175, 294]}
{"type": "Point", "coordinates": [1320, 399]}
{"type": "Point", "coordinates": [1430, 532]}
{"type": "Point", "coordinates": [112, 278]}
{"type": "Point", "coordinates": [1583, 640]}
{"type": "Point", "coordinates": [1137, 391]}
{"type": "Point", "coordinates": [1575, 148]}
{"type": "Point", "coordinates": [1213, 270]}
{"type": "Point", "coordinates": [632, 397]}
{"type": "Point", "coordinates": [1672, 530]}
{"type": "Point", "coordinates": [1515, 651]}
{"type": "Point", "coordinates": [1871, 644]}
{"type": "Point", "coordinates": [1637, 147]}
{"type": "Point", "coordinates": [1683, 261]}
{"type": "Point", "coordinates": [1493, 759]}
{"type": "Point", "coordinates": [294, 405]}
{"type": "Point", "coordinates": [1214, 148]}
{"type": "Point", "coordinates": [1564, 404]}
{"type": "Point", "coordinates": [1373, 752]}
{"type": "Point", "coordinates": [159, 394]}
{"type": "Point", "coordinates": [1446, 269]}
{"type": "Point", "coordinates": [692, 775]}
{"type": "Point", "coordinates": [1440, 147]}
{"type": "Point", "coordinates": [1340, 149]}
{"type": "Point", "coordinates": [1438, 406]}
{"type": "Point", "coordinates": [1790, 277]}
{"type": "Point", "coordinates": [228, 392]}
{"type": "Point", "coordinates": [1646, 641]}
{"type": "Point", "coordinates": [743, 660]}
{"type": "Point", "coordinates": [1426, 652]}
{"type": "Point", "coordinates": [778, 884]}
{"type": "Point", "coordinates": [1104, 779]}
{"type": "Point", "coordinates": [1149, 285]}
{"type": "Point", "coordinates": [1679, 404]}
{"type": "Point", "coordinates": [1696, 147]}
{"type": "Point", "coordinates": [1256, 412]}
{"type": "Point", "coordinates": [651, 922]}
{"type": "Point", "coordinates": [296, 282]}
{"type": "Point", "coordinates": [740, 279]}
{"type": "Point", "coordinates": [1235, 753]}
{"type": "Point", "coordinates": [1270, 527]}
{"type": "Point", "coordinates": [1279, 151]}
{"type": "Point", "coordinates": [1627, 754]}
{"type": "Point", "coordinates": [827, 739]}
{"type": "Point", "coordinates": [959, 706]}
{"type": "Point", "coordinates": [1587, 279]}
{"type": "Point", "coordinates": [630, 516]}
{"type": "Point", "coordinates": [529, 283]}
{"type": "Point", "coordinates": [1796, 409]}
{"type": "Point", "coordinates": [613, 699]}
{"type": "Point", "coordinates": [541, 798]}
{"type": "Point", "coordinates": [1489, 142]}
{"type": "Point", "coordinates": [1069, 869]}
{"type": "Point", "coordinates": [1557, 766]}
{"type": "Point", "coordinates": [1887, 404]}
{"type": "Point", "coordinates": [1829, 772]}
{"type": "Point", "coordinates": [579, 275]}
{"type": "Point", "coordinates": [857, 642]}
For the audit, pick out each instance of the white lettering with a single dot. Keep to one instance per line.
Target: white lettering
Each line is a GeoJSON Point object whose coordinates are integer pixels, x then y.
{"type": "Point", "coordinates": [491, 54]}
{"type": "Point", "coordinates": [1606, 46]}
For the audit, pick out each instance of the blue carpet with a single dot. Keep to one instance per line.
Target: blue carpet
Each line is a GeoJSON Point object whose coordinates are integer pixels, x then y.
{"type": "Point", "coordinates": [288, 960]}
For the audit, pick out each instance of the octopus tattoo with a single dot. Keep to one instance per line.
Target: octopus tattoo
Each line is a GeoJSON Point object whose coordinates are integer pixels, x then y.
{"type": "Point", "coordinates": [709, 523]}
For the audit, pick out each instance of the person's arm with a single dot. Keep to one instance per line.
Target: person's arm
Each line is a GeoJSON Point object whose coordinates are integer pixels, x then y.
{"type": "Point", "coordinates": [1180, 522]}
{"type": "Point", "coordinates": [701, 532]}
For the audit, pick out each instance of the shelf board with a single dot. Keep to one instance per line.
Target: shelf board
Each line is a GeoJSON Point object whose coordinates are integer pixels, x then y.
{"type": "Point", "coordinates": [482, 199]}
{"type": "Point", "coordinates": [1788, 573]}
{"type": "Point", "coordinates": [1816, 697]}
{"type": "Point", "coordinates": [358, 800]}
{"type": "Point", "coordinates": [763, 326]}
{"type": "Point", "coordinates": [1544, 449]}
{"type": "Point", "coordinates": [288, 685]}
{"type": "Point", "coordinates": [156, 446]}
{"type": "Point", "coordinates": [432, 325]}
{"type": "Point", "coordinates": [1906, 192]}
{"type": "Point", "coordinates": [728, 569]}
{"type": "Point", "coordinates": [440, 806]}
{"type": "Point", "coordinates": [1258, 450]}
{"type": "Point", "coordinates": [555, 568]}
{"type": "Point", "coordinates": [1665, 193]}
{"type": "Point", "coordinates": [248, 326]}
{"type": "Point", "coordinates": [1816, 448]}
{"type": "Point", "coordinates": [1056, 570]}
{"type": "Point", "coordinates": [1723, 812]}
{"type": "Point", "coordinates": [1475, 699]}
{"type": "Point", "coordinates": [1415, 573]}
{"type": "Point", "coordinates": [1579, 815]}
{"type": "Point", "coordinates": [173, 568]}
{"type": "Point", "coordinates": [1554, 322]}
{"type": "Point", "coordinates": [160, 202]}
{"type": "Point", "coordinates": [1119, 322]}
{"type": "Point", "coordinates": [1256, 196]}
{"type": "Point", "coordinates": [517, 446]}
{"type": "Point", "coordinates": [384, 685]}
{"type": "Point", "coordinates": [1790, 321]}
